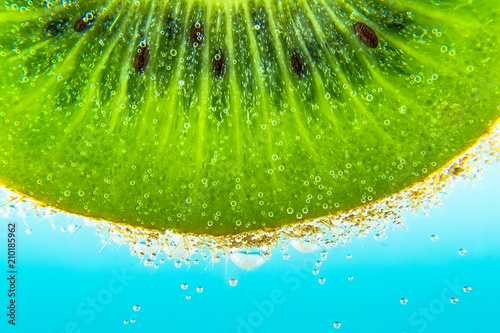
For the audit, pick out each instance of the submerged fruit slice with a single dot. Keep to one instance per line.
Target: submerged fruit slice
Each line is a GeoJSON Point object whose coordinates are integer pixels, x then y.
{"type": "Point", "coordinates": [222, 117]}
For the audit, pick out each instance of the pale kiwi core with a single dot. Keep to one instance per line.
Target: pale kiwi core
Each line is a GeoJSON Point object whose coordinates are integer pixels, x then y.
{"type": "Point", "coordinates": [225, 117]}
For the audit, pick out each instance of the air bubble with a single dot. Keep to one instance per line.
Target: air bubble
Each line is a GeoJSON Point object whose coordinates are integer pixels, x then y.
{"type": "Point", "coordinates": [324, 255]}
{"type": "Point", "coordinates": [136, 308]}
{"type": "Point", "coordinates": [403, 301]}
{"type": "Point", "coordinates": [462, 252]}
{"type": "Point", "coordinates": [233, 282]}
{"type": "Point", "coordinates": [337, 325]}
{"type": "Point", "coordinates": [454, 300]}
{"type": "Point", "coordinates": [467, 289]}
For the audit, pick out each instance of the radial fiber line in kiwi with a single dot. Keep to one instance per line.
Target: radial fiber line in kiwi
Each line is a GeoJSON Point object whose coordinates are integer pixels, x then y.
{"type": "Point", "coordinates": [16, 15]}
{"type": "Point", "coordinates": [284, 72]}
{"type": "Point", "coordinates": [265, 97]}
{"type": "Point", "coordinates": [129, 53]}
{"type": "Point", "coordinates": [148, 117]}
{"type": "Point", "coordinates": [242, 142]}
{"type": "Point", "coordinates": [435, 12]}
{"type": "Point", "coordinates": [234, 85]}
{"type": "Point", "coordinates": [400, 45]}
{"type": "Point", "coordinates": [205, 86]}
{"type": "Point", "coordinates": [171, 106]}
{"type": "Point", "coordinates": [169, 99]}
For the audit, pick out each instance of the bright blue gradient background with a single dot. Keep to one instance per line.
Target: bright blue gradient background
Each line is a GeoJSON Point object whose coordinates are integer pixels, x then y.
{"type": "Point", "coordinates": [59, 274]}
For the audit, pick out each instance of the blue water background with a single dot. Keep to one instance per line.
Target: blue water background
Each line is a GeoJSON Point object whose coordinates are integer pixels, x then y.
{"type": "Point", "coordinates": [67, 284]}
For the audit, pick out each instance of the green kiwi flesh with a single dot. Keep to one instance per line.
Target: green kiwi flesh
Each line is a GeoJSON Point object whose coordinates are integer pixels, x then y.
{"type": "Point", "coordinates": [220, 117]}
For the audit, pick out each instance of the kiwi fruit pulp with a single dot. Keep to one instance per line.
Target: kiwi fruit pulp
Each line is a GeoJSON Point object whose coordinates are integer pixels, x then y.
{"type": "Point", "coordinates": [223, 117]}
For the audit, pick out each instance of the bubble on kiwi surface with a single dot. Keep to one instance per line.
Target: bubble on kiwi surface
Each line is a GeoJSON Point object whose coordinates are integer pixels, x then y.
{"type": "Point", "coordinates": [179, 125]}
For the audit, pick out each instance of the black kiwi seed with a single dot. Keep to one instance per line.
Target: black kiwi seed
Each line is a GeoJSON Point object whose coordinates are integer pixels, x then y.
{"type": "Point", "coordinates": [366, 34]}
{"type": "Point", "coordinates": [197, 34]}
{"type": "Point", "coordinates": [84, 23]}
{"type": "Point", "coordinates": [298, 64]}
{"type": "Point", "coordinates": [55, 27]}
{"type": "Point", "coordinates": [219, 64]}
{"type": "Point", "coordinates": [141, 58]}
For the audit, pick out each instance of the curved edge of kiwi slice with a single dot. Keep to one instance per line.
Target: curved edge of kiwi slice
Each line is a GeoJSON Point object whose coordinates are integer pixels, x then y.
{"type": "Point", "coordinates": [308, 235]}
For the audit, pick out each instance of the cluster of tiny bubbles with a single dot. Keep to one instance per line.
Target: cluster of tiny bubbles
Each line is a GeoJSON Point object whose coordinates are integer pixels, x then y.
{"type": "Point", "coordinates": [337, 325]}
{"type": "Point", "coordinates": [403, 301]}
{"type": "Point", "coordinates": [233, 282]}
{"type": "Point", "coordinates": [462, 252]}
{"type": "Point", "coordinates": [454, 300]}
{"type": "Point", "coordinates": [434, 238]}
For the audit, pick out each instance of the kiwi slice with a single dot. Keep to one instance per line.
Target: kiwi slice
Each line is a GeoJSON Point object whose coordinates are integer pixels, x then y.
{"type": "Point", "coordinates": [224, 117]}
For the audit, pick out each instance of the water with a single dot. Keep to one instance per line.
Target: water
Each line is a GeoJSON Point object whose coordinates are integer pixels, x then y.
{"type": "Point", "coordinates": [72, 282]}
